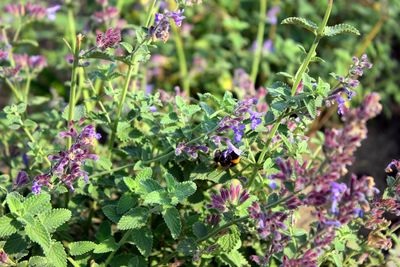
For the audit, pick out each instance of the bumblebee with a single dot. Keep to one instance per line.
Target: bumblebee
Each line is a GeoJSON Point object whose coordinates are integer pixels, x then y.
{"type": "Point", "coordinates": [391, 169]}
{"type": "Point", "coordinates": [226, 158]}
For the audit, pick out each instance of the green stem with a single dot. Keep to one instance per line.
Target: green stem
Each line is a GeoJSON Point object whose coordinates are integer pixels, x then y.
{"type": "Point", "coordinates": [260, 39]}
{"type": "Point", "coordinates": [311, 52]}
{"type": "Point", "coordinates": [120, 244]}
{"type": "Point", "coordinates": [27, 87]}
{"type": "Point", "coordinates": [182, 60]}
{"type": "Point", "coordinates": [72, 93]}
{"type": "Point", "coordinates": [71, 23]}
{"type": "Point", "coordinates": [14, 90]}
{"type": "Point", "coordinates": [120, 106]}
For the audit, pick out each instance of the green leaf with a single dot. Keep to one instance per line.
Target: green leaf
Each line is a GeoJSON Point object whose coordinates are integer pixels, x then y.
{"type": "Point", "coordinates": [143, 239]}
{"type": "Point", "coordinates": [38, 234]}
{"type": "Point", "coordinates": [135, 218]}
{"type": "Point", "coordinates": [339, 29]}
{"type": "Point", "coordinates": [39, 261]}
{"type": "Point", "coordinates": [8, 226]}
{"type": "Point", "coordinates": [106, 246]}
{"type": "Point", "coordinates": [81, 247]}
{"type": "Point", "coordinates": [125, 203]}
{"type": "Point", "coordinates": [14, 202]}
{"type": "Point", "coordinates": [311, 108]}
{"type": "Point", "coordinates": [302, 22]}
{"type": "Point", "coordinates": [55, 218]}
{"type": "Point", "coordinates": [199, 229]}
{"type": "Point", "coordinates": [230, 240]}
{"type": "Point", "coordinates": [79, 112]}
{"type": "Point", "coordinates": [144, 174]}
{"type": "Point", "coordinates": [184, 190]}
{"type": "Point", "coordinates": [157, 197]}
{"type": "Point", "coordinates": [111, 213]}
{"type": "Point", "coordinates": [130, 183]}
{"type": "Point", "coordinates": [123, 131]}
{"type": "Point", "coordinates": [15, 244]}
{"type": "Point", "coordinates": [36, 204]}
{"type": "Point", "coordinates": [128, 47]}
{"type": "Point", "coordinates": [56, 254]}
{"type": "Point", "coordinates": [172, 219]}
{"type": "Point", "coordinates": [234, 259]}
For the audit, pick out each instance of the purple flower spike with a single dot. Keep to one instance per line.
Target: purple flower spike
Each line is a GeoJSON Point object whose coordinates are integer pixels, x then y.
{"type": "Point", "coordinates": [234, 196]}
{"type": "Point", "coordinates": [51, 12]}
{"type": "Point", "coordinates": [22, 178]}
{"type": "Point", "coordinates": [108, 39]}
{"type": "Point", "coordinates": [177, 17]}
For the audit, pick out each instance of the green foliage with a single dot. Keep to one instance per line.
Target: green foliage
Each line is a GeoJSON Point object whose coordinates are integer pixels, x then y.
{"type": "Point", "coordinates": [302, 22]}
{"type": "Point", "coordinates": [172, 219]}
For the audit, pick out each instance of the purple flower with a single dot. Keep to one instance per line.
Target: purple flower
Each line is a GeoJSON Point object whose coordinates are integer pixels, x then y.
{"type": "Point", "coordinates": [3, 55]}
{"type": "Point", "coordinates": [337, 192]}
{"type": "Point", "coordinates": [192, 151]}
{"type": "Point", "coordinates": [106, 15]}
{"type": "Point", "coordinates": [108, 39]}
{"type": "Point", "coordinates": [161, 27]}
{"type": "Point", "coordinates": [272, 15]}
{"type": "Point", "coordinates": [22, 178]}
{"type": "Point", "coordinates": [177, 17]}
{"type": "Point", "coordinates": [227, 198]}
{"type": "Point", "coordinates": [51, 12]}
{"type": "Point", "coordinates": [68, 164]}
{"type": "Point", "coordinates": [35, 63]}
{"type": "Point", "coordinates": [309, 259]}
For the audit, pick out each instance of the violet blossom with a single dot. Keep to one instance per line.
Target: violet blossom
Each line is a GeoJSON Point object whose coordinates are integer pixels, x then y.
{"type": "Point", "coordinates": [68, 164]}
{"type": "Point", "coordinates": [227, 198]}
{"type": "Point", "coordinates": [345, 91]}
{"type": "Point", "coordinates": [107, 14]}
{"type": "Point", "coordinates": [108, 39]}
{"type": "Point", "coordinates": [272, 15]}
{"type": "Point", "coordinates": [161, 27]}
{"type": "Point", "coordinates": [191, 150]}
{"type": "Point", "coordinates": [21, 179]}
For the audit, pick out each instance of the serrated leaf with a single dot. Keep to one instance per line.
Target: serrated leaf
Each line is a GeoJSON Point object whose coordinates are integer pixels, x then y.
{"type": "Point", "coordinates": [184, 190]}
{"type": "Point", "coordinates": [187, 246]}
{"type": "Point", "coordinates": [234, 259]}
{"type": "Point", "coordinates": [199, 229]}
{"type": "Point", "coordinates": [56, 254]}
{"type": "Point", "coordinates": [79, 112]}
{"type": "Point", "coordinates": [157, 197]}
{"type": "Point", "coordinates": [39, 261]}
{"type": "Point", "coordinates": [302, 22]}
{"type": "Point", "coordinates": [14, 202]}
{"type": "Point", "coordinates": [125, 203]}
{"type": "Point", "coordinates": [128, 47]}
{"type": "Point", "coordinates": [38, 234]}
{"type": "Point", "coordinates": [55, 218]}
{"type": "Point", "coordinates": [123, 131]}
{"type": "Point", "coordinates": [15, 244]}
{"type": "Point", "coordinates": [143, 239]}
{"type": "Point", "coordinates": [8, 226]}
{"type": "Point", "coordinates": [135, 218]}
{"type": "Point", "coordinates": [130, 183]}
{"type": "Point", "coordinates": [144, 174]}
{"type": "Point", "coordinates": [106, 246]}
{"type": "Point", "coordinates": [149, 185]}
{"type": "Point", "coordinates": [229, 241]}
{"type": "Point", "coordinates": [81, 247]}
{"type": "Point", "coordinates": [172, 219]}
{"type": "Point", "coordinates": [339, 29]}
{"type": "Point", "coordinates": [36, 204]}
{"type": "Point", "coordinates": [111, 213]}
{"type": "Point", "coordinates": [311, 108]}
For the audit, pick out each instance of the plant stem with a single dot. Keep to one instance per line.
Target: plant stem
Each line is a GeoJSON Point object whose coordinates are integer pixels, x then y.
{"type": "Point", "coordinates": [72, 93]}
{"type": "Point", "coordinates": [14, 90]}
{"type": "Point", "coordinates": [311, 52]}
{"type": "Point", "coordinates": [260, 39]}
{"type": "Point", "coordinates": [120, 244]}
{"type": "Point", "coordinates": [120, 106]}
{"type": "Point", "coordinates": [182, 60]}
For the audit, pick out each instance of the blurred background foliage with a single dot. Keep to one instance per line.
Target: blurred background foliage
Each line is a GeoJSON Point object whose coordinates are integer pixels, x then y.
{"type": "Point", "coordinates": [219, 36]}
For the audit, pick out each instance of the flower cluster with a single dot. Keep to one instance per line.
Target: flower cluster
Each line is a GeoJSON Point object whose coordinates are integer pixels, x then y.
{"type": "Point", "coordinates": [245, 89]}
{"type": "Point", "coordinates": [236, 121]}
{"type": "Point", "coordinates": [227, 198]}
{"type": "Point", "coordinates": [348, 83]}
{"type": "Point", "coordinates": [35, 63]}
{"type": "Point", "coordinates": [107, 14]}
{"type": "Point", "coordinates": [191, 150]}
{"type": "Point", "coordinates": [308, 259]}
{"type": "Point", "coordinates": [68, 164]}
{"type": "Point", "coordinates": [32, 11]}
{"type": "Point", "coordinates": [161, 27]}
{"type": "Point", "coordinates": [393, 168]}
{"type": "Point", "coordinates": [22, 178]}
{"type": "Point", "coordinates": [270, 225]}
{"type": "Point", "coordinates": [108, 39]}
